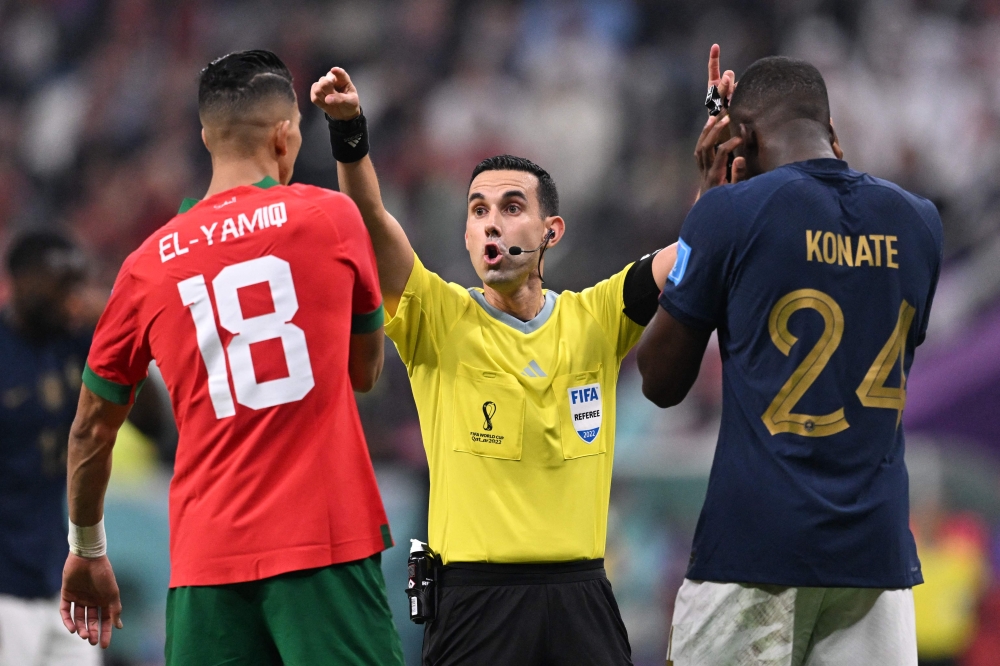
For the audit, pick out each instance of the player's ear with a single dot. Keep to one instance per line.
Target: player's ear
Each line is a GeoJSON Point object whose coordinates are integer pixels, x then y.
{"type": "Point", "coordinates": [835, 142]}
{"type": "Point", "coordinates": [280, 137]}
{"type": "Point", "coordinates": [750, 144]}
{"type": "Point", "coordinates": [204, 139]}
{"type": "Point", "coordinates": [558, 225]}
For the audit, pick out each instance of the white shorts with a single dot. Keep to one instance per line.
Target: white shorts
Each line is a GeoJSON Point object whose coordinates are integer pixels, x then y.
{"type": "Point", "coordinates": [739, 625]}
{"type": "Point", "coordinates": [32, 634]}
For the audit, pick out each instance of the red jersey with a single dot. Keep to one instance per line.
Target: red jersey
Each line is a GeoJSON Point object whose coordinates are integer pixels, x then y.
{"type": "Point", "coordinates": [247, 302]}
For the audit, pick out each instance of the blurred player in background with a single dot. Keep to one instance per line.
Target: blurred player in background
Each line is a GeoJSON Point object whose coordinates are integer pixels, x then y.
{"type": "Point", "coordinates": [819, 280]}
{"type": "Point", "coordinates": [261, 306]}
{"type": "Point", "coordinates": [515, 389]}
{"type": "Point", "coordinates": [42, 357]}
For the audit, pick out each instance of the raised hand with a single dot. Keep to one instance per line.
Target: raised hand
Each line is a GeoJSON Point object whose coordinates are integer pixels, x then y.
{"type": "Point", "coordinates": [91, 604]}
{"type": "Point", "coordinates": [715, 143]}
{"type": "Point", "coordinates": [726, 81]}
{"type": "Point", "coordinates": [336, 95]}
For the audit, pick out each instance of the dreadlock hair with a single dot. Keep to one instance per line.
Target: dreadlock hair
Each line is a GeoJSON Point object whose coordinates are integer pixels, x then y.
{"type": "Point", "coordinates": [548, 197]}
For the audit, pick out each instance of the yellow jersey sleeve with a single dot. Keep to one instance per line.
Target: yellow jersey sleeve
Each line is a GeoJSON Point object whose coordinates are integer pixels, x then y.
{"type": "Point", "coordinates": [606, 302]}
{"type": "Point", "coordinates": [427, 310]}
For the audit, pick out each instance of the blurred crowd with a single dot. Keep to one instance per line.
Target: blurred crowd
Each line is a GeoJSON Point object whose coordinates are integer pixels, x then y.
{"type": "Point", "coordinates": [99, 136]}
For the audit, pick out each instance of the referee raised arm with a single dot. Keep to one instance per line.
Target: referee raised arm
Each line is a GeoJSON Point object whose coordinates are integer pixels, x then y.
{"type": "Point", "coordinates": [515, 390]}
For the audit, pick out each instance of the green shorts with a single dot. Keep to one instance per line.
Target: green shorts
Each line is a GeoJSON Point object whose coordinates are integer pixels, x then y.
{"type": "Point", "coordinates": [333, 615]}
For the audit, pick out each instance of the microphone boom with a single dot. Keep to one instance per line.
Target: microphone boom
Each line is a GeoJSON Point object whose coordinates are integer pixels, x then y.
{"type": "Point", "coordinates": [515, 250]}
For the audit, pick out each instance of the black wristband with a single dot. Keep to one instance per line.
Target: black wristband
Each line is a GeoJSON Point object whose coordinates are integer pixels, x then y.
{"type": "Point", "coordinates": [348, 138]}
{"type": "Point", "coordinates": [640, 293]}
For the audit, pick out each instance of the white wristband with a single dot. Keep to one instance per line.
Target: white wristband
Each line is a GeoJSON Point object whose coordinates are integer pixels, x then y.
{"type": "Point", "coordinates": [89, 542]}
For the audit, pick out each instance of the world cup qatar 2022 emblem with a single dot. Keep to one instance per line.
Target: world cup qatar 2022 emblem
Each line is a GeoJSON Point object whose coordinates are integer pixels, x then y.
{"type": "Point", "coordinates": [585, 409]}
{"type": "Point", "coordinates": [489, 409]}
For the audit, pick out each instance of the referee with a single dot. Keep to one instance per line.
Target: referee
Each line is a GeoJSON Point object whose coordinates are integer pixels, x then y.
{"type": "Point", "coordinates": [515, 390]}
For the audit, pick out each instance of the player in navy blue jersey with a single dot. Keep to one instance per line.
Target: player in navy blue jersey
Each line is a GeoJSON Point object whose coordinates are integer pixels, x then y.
{"type": "Point", "coordinates": [45, 334]}
{"type": "Point", "coordinates": [819, 280]}
{"type": "Point", "coordinates": [42, 361]}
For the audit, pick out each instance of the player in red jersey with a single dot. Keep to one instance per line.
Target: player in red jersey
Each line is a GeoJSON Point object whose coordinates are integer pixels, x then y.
{"type": "Point", "coordinates": [261, 305]}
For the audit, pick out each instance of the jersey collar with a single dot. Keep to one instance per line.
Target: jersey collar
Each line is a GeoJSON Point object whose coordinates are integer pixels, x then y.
{"type": "Point", "coordinates": [523, 326]}
{"type": "Point", "coordinates": [822, 164]}
{"type": "Point", "coordinates": [190, 203]}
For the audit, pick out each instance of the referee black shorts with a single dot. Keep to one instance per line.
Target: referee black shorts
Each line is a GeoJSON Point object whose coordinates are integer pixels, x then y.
{"type": "Point", "coordinates": [526, 615]}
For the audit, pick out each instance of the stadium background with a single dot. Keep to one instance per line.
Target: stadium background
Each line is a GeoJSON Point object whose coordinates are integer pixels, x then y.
{"type": "Point", "coordinates": [99, 135]}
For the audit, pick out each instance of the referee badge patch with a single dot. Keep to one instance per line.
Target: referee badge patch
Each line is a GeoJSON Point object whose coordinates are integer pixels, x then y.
{"type": "Point", "coordinates": [585, 408]}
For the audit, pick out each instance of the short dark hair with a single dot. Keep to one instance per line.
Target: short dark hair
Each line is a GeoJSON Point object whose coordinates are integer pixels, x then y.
{"type": "Point", "coordinates": [788, 87]}
{"type": "Point", "coordinates": [548, 197]}
{"type": "Point", "coordinates": [235, 84]}
{"type": "Point", "coordinates": [44, 249]}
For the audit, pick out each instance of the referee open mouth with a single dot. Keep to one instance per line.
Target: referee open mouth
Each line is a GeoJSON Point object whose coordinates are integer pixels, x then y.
{"type": "Point", "coordinates": [492, 254]}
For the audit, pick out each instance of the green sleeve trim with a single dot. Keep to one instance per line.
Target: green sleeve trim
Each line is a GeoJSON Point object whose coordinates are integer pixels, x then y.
{"type": "Point", "coordinates": [368, 323]}
{"type": "Point", "coordinates": [386, 536]}
{"type": "Point", "coordinates": [120, 394]}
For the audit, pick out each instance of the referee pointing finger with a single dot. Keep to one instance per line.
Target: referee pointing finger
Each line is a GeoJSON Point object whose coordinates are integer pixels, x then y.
{"type": "Point", "coordinates": [515, 390]}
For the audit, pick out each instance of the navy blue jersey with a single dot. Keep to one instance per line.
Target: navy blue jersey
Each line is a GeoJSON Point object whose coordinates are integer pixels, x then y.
{"type": "Point", "coordinates": [819, 280]}
{"type": "Point", "coordinates": [39, 388]}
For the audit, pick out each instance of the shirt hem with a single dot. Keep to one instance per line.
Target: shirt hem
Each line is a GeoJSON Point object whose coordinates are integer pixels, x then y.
{"type": "Point", "coordinates": [792, 581]}
{"type": "Point", "coordinates": [259, 566]}
{"type": "Point", "coordinates": [23, 594]}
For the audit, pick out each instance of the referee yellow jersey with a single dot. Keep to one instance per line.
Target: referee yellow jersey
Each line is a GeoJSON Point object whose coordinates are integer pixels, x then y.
{"type": "Point", "coordinates": [517, 418]}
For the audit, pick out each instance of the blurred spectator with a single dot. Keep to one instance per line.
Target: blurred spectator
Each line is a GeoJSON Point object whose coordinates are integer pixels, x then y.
{"type": "Point", "coordinates": [955, 564]}
{"type": "Point", "coordinates": [986, 645]}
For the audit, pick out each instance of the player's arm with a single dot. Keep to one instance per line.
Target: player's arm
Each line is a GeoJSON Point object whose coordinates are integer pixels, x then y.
{"type": "Point", "coordinates": [336, 95]}
{"type": "Point", "coordinates": [693, 300]}
{"type": "Point", "coordinates": [669, 356]}
{"type": "Point", "coordinates": [90, 602]}
{"type": "Point", "coordinates": [364, 364]}
{"type": "Point", "coordinates": [669, 353]}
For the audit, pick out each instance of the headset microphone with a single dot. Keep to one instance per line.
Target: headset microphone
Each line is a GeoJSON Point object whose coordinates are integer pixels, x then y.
{"type": "Point", "coordinates": [514, 250]}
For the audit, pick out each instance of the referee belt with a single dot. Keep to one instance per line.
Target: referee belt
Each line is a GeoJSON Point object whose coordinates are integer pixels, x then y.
{"type": "Point", "coordinates": [467, 574]}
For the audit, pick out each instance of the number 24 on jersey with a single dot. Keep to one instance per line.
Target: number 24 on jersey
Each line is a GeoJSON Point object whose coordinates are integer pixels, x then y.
{"type": "Point", "coordinates": [872, 392]}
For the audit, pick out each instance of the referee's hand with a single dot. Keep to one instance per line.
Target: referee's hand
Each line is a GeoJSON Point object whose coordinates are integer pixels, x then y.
{"type": "Point", "coordinates": [90, 603]}
{"type": "Point", "coordinates": [336, 95]}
